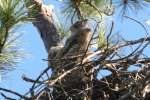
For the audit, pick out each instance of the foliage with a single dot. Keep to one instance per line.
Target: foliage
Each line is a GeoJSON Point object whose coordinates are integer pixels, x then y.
{"type": "Point", "coordinates": [10, 55]}
{"type": "Point", "coordinates": [96, 8]}
{"type": "Point", "coordinates": [101, 40]}
{"type": "Point", "coordinates": [12, 14]}
{"type": "Point", "coordinates": [61, 27]}
{"type": "Point", "coordinates": [147, 0]}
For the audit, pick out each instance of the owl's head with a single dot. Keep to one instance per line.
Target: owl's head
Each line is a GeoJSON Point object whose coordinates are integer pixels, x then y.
{"type": "Point", "coordinates": [79, 25]}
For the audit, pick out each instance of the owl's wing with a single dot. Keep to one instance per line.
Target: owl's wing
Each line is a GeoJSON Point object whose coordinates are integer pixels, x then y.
{"type": "Point", "coordinates": [54, 51]}
{"type": "Point", "coordinates": [70, 43]}
{"type": "Point", "coordinates": [73, 50]}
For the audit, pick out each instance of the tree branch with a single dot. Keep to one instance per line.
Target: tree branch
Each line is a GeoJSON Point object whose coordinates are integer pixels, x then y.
{"type": "Point", "coordinates": [44, 23]}
{"type": "Point", "coordinates": [15, 93]}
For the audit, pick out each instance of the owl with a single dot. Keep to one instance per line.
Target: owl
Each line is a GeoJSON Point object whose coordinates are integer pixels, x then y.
{"type": "Point", "coordinates": [79, 39]}
{"type": "Point", "coordinates": [53, 52]}
{"type": "Point", "coordinates": [76, 44]}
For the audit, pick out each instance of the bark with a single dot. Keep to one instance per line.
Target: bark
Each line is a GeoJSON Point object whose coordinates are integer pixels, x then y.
{"type": "Point", "coordinates": [44, 23]}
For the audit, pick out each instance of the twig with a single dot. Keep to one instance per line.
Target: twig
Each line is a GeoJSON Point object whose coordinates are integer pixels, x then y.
{"type": "Point", "coordinates": [30, 80]}
{"type": "Point", "coordinates": [70, 57]}
{"type": "Point", "coordinates": [52, 82]}
{"type": "Point", "coordinates": [15, 93]}
{"type": "Point", "coordinates": [77, 9]}
{"type": "Point", "coordinates": [138, 23]}
{"type": "Point", "coordinates": [112, 26]}
{"type": "Point", "coordinates": [92, 55]}
{"type": "Point", "coordinates": [90, 42]}
{"type": "Point", "coordinates": [6, 97]}
{"type": "Point", "coordinates": [39, 78]}
{"type": "Point", "coordinates": [99, 12]}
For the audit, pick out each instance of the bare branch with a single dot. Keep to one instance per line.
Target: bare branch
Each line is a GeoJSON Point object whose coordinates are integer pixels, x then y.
{"type": "Point", "coordinates": [45, 24]}
{"type": "Point", "coordinates": [15, 93]}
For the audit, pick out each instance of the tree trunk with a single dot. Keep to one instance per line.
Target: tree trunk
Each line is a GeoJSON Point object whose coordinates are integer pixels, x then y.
{"type": "Point", "coordinates": [44, 23]}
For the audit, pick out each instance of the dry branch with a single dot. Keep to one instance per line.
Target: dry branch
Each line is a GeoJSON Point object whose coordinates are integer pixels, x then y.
{"type": "Point", "coordinates": [44, 23]}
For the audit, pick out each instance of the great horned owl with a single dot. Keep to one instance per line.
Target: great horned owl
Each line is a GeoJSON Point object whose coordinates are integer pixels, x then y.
{"type": "Point", "coordinates": [79, 39]}
{"type": "Point", "coordinates": [53, 52]}
{"type": "Point", "coordinates": [77, 43]}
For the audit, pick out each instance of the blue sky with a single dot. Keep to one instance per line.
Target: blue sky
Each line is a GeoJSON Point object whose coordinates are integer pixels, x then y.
{"type": "Point", "coordinates": [33, 64]}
